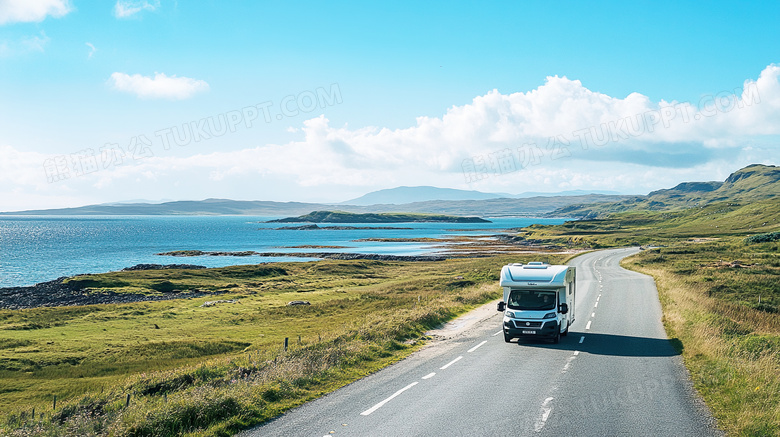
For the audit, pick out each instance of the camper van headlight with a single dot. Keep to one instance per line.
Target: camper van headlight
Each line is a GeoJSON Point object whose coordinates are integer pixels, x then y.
{"type": "Point", "coordinates": [549, 316]}
{"type": "Point", "coordinates": [509, 314]}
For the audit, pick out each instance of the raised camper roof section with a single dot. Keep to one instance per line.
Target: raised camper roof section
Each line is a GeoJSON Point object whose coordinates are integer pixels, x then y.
{"type": "Point", "coordinates": [539, 272]}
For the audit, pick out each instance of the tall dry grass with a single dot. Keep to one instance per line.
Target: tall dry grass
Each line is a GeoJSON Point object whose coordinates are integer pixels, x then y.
{"type": "Point", "coordinates": [732, 352]}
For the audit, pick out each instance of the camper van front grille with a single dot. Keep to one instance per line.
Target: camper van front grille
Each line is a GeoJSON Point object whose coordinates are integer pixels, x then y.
{"type": "Point", "coordinates": [524, 324]}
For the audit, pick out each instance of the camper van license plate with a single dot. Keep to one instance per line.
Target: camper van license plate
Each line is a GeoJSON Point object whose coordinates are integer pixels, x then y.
{"type": "Point", "coordinates": [529, 332]}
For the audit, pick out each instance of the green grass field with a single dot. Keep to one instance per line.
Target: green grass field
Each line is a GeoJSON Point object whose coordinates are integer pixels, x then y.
{"type": "Point", "coordinates": [216, 369]}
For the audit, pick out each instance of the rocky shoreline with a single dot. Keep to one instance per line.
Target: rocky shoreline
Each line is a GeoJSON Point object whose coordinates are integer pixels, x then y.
{"type": "Point", "coordinates": [57, 293]}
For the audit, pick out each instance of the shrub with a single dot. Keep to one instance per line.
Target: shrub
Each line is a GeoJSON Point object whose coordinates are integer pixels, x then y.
{"type": "Point", "coordinates": [763, 238]}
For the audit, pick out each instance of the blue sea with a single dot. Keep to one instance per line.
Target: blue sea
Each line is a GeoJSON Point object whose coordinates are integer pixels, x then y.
{"type": "Point", "coordinates": [34, 249]}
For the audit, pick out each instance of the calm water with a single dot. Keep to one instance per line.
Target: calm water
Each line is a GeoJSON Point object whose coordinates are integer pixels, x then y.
{"type": "Point", "coordinates": [35, 249]}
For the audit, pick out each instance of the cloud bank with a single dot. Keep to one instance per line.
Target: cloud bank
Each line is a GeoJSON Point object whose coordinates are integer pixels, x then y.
{"type": "Point", "coordinates": [158, 87]}
{"type": "Point", "coordinates": [558, 136]}
{"type": "Point", "coordinates": [24, 11]}
{"type": "Point", "coordinates": [128, 8]}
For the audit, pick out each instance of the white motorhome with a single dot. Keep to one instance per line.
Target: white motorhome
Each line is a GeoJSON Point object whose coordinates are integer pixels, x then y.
{"type": "Point", "coordinates": [538, 300]}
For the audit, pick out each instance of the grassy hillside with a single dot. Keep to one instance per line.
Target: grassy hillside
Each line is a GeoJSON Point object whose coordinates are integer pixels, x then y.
{"type": "Point", "coordinates": [642, 227]}
{"type": "Point", "coordinates": [750, 184]}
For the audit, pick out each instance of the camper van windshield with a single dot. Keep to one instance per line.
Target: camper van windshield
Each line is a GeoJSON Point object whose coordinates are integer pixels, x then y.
{"type": "Point", "coordinates": [531, 300]}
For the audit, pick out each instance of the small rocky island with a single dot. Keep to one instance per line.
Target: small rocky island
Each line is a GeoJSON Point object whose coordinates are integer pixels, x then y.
{"type": "Point", "coordinates": [339, 228]}
{"type": "Point", "coordinates": [392, 217]}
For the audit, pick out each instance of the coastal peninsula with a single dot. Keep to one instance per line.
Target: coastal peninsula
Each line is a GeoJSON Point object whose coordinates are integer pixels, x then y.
{"type": "Point", "coordinates": [391, 217]}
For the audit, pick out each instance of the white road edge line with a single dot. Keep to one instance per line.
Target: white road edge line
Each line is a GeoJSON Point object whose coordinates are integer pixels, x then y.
{"type": "Point", "coordinates": [593, 314]}
{"type": "Point", "coordinates": [596, 304]}
{"type": "Point", "coordinates": [379, 405]}
{"type": "Point", "coordinates": [498, 333]}
{"type": "Point", "coordinates": [588, 325]}
{"type": "Point", "coordinates": [475, 347]}
{"type": "Point", "coordinates": [450, 363]}
{"type": "Point", "coordinates": [578, 352]}
{"type": "Point", "coordinates": [546, 410]}
{"type": "Point", "coordinates": [430, 375]}
{"type": "Point", "coordinates": [582, 339]}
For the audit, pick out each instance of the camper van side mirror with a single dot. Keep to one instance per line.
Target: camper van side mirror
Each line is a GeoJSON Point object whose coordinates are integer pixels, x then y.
{"type": "Point", "coordinates": [501, 306]}
{"type": "Point", "coordinates": [563, 308]}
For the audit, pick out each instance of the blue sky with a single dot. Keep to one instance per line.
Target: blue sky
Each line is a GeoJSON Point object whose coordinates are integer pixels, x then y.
{"type": "Point", "coordinates": [501, 96]}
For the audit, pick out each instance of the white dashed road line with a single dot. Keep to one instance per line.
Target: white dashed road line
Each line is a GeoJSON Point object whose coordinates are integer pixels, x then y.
{"type": "Point", "coordinates": [381, 404]}
{"type": "Point", "coordinates": [568, 363]}
{"type": "Point", "coordinates": [475, 347]}
{"type": "Point", "coordinates": [450, 363]}
{"type": "Point", "coordinates": [546, 407]}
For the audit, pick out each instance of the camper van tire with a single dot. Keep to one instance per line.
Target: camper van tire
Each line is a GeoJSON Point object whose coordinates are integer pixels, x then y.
{"type": "Point", "coordinates": [507, 338]}
{"type": "Point", "coordinates": [557, 338]}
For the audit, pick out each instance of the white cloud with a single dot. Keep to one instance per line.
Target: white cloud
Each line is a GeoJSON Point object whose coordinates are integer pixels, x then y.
{"type": "Point", "coordinates": [27, 44]}
{"type": "Point", "coordinates": [161, 86]}
{"type": "Point", "coordinates": [678, 141]}
{"type": "Point", "coordinates": [128, 8]}
{"type": "Point", "coordinates": [16, 11]}
{"type": "Point", "coordinates": [35, 43]}
{"type": "Point", "coordinates": [92, 50]}
{"type": "Point", "coordinates": [599, 143]}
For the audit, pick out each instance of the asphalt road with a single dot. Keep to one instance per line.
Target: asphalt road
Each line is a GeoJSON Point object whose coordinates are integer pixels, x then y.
{"type": "Point", "coordinates": [616, 373]}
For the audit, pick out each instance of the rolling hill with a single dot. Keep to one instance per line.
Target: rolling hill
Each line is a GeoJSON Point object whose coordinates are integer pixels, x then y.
{"type": "Point", "coordinates": [404, 195]}
{"type": "Point", "coordinates": [531, 207]}
{"type": "Point", "coordinates": [753, 183]}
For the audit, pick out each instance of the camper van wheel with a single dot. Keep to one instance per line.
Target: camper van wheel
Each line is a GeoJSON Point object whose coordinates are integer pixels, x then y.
{"type": "Point", "coordinates": [507, 337]}
{"type": "Point", "coordinates": [566, 332]}
{"type": "Point", "coordinates": [557, 338]}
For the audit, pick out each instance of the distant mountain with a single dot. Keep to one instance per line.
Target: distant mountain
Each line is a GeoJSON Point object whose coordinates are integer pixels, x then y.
{"type": "Point", "coordinates": [402, 195]}
{"type": "Point", "coordinates": [187, 207]}
{"type": "Point", "coordinates": [751, 184]}
{"type": "Point", "coordinates": [125, 202]}
{"type": "Point", "coordinates": [498, 207]}
{"type": "Point", "coordinates": [565, 193]}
